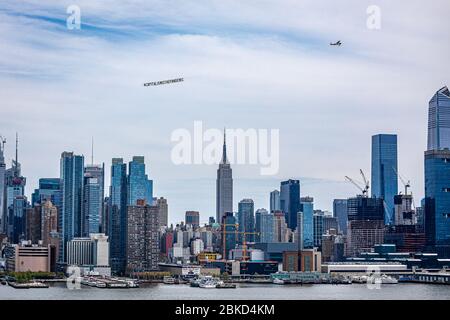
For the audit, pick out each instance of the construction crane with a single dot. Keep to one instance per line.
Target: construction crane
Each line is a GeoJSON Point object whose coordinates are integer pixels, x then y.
{"type": "Point", "coordinates": [364, 190]}
{"type": "Point", "coordinates": [244, 244]}
{"type": "Point", "coordinates": [2, 143]}
{"type": "Point", "coordinates": [407, 184]}
{"type": "Point", "coordinates": [224, 238]}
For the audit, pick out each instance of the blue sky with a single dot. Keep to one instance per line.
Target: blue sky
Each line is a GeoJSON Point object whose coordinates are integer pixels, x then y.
{"type": "Point", "coordinates": [253, 64]}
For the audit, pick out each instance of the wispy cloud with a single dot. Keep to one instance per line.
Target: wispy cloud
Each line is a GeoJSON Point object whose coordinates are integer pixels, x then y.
{"type": "Point", "coordinates": [260, 64]}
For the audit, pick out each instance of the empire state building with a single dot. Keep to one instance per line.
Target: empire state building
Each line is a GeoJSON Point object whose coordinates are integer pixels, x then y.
{"type": "Point", "coordinates": [224, 186]}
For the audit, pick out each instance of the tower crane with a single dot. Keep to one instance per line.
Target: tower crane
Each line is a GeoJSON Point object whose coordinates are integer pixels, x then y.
{"type": "Point", "coordinates": [244, 243]}
{"type": "Point", "coordinates": [406, 184]}
{"type": "Point", "coordinates": [364, 190]}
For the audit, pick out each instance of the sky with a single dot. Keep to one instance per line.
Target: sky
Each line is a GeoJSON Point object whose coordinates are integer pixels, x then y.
{"type": "Point", "coordinates": [246, 64]}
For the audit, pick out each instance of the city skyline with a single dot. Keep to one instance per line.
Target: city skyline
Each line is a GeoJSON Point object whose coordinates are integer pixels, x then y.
{"type": "Point", "coordinates": [312, 91]}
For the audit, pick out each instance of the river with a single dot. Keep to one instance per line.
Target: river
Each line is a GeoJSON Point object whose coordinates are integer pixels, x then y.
{"type": "Point", "coordinates": [403, 291]}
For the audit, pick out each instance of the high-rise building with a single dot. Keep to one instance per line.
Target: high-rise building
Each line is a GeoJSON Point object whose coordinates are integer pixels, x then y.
{"type": "Point", "coordinates": [17, 219]}
{"type": "Point", "coordinates": [264, 226]}
{"type": "Point", "coordinates": [49, 189]}
{"type": "Point", "coordinates": [366, 226]}
{"type": "Point", "coordinates": [117, 212]}
{"type": "Point", "coordinates": [275, 201]}
{"type": "Point", "coordinates": [95, 171]}
{"type": "Point", "coordinates": [437, 200]}
{"type": "Point", "coordinates": [246, 220]}
{"type": "Point", "coordinates": [192, 218]}
{"type": "Point", "coordinates": [92, 210]}
{"type": "Point", "coordinates": [307, 228]}
{"type": "Point", "coordinates": [139, 185]}
{"type": "Point", "coordinates": [280, 233]}
{"type": "Point", "coordinates": [224, 185]}
{"type": "Point", "coordinates": [340, 213]}
{"type": "Point", "coordinates": [163, 211]}
{"type": "Point", "coordinates": [2, 186]}
{"type": "Point", "coordinates": [439, 120]}
{"type": "Point", "coordinates": [33, 224]}
{"type": "Point", "coordinates": [290, 201]}
{"type": "Point", "coordinates": [49, 214]}
{"type": "Point", "coordinates": [228, 223]}
{"type": "Point", "coordinates": [384, 172]}
{"type": "Point", "coordinates": [71, 217]}
{"type": "Point", "coordinates": [143, 239]}
{"type": "Point", "coordinates": [318, 228]}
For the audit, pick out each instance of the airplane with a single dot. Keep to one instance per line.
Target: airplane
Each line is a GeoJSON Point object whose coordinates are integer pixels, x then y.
{"type": "Point", "coordinates": [336, 44]}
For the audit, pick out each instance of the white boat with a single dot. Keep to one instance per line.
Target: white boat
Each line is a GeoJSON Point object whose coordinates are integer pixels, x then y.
{"type": "Point", "coordinates": [278, 281]}
{"type": "Point", "coordinates": [208, 284]}
{"type": "Point", "coordinates": [168, 280]}
{"type": "Point", "coordinates": [385, 279]}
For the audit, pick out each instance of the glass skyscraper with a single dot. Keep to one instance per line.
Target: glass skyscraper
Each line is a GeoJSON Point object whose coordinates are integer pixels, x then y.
{"type": "Point", "coordinates": [439, 120]}
{"type": "Point", "coordinates": [275, 201]}
{"type": "Point", "coordinates": [264, 226]}
{"type": "Point", "coordinates": [290, 201]}
{"type": "Point", "coordinates": [437, 173]}
{"type": "Point", "coordinates": [117, 208]}
{"type": "Point", "coordinates": [246, 220]}
{"type": "Point", "coordinates": [340, 213]}
{"type": "Point", "coordinates": [307, 209]}
{"type": "Point", "coordinates": [2, 186]}
{"type": "Point", "coordinates": [437, 199]}
{"type": "Point", "coordinates": [92, 206]}
{"type": "Point", "coordinates": [71, 219]}
{"type": "Point", "coordinates": [384, 172]}
{"type": "Point", "coordinates": [139, 186]}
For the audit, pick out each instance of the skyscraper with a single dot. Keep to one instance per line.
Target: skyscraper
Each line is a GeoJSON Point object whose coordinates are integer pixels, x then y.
{"type": "Point", "coordinates": [71, 175]}
{"type": "Point", "coordinates": [163, 211]}
{"type": "Point", "coordinates": [275, 200]}
{"type": "Point", "coordinates": [49, 189]}
{"type": "Point", "coordinates": [437, 174]}
{"type": "Point", "coordinates": [139, 185]}
{"type": "Point", "coordinates": [264, 226]}
{"type": "Point", "coordinates": [437, 200]}
{"type": "Point", "coordinates": [280, 233]}
{"type": "Point", "coordinates": [15, 200]}
{"type": "Point", "coordinates": [307, 208]}
{"type": "Point", "coordinates": [439, 120]}
{"type": "Point", "coordinates": [2, 186]}
{"type": "Point", "coordinates": [246, 220]}
{"type": "Point", "coordinates": [228, 223]}
{"type": "Point", "coordinates": [340, 213]}
{"type": "Point", "coordinates": [384, 171]}
{"type": "Point", "coordinates": [224, 185]}
{"type": "Point", "coordinates": [192, 218]}
{"type": "Point", "coordinates": [117, 211]}
{"type": "Point", "coordinates": [95, 171]}
{"type": "Point", "coordinates": [92, 210]}
{"type": "Point", "coordinates": [365, 224]}
{"type": "Point", "coordinates": [290, 201]}
{"type": "Point", "coordinates": [142, 237]}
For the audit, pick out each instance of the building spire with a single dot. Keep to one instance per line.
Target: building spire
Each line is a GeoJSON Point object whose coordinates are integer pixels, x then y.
{"type": "Point", "coordinates": [16, 161]}
{"type": "Point", "coordinates": [224, 153]}
{"type": "Point", "coordinates": [92, 151]}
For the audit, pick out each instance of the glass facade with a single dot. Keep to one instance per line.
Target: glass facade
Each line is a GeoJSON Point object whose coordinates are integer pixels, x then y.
{"type": "Point", "coordinates": [384, 172]}
{"type": "Point", "coordinates": [71, 174]}
{"type": "Point", "coordinates": [437, 197]}
{"type": "Point", "coordinates": [307, 208]}
{"type": "Point", "coordinates": [264, 226]}
{"type": "Point", "coordinates": [117, 226]}
{"type": "Point", "coordinates": [139, 186]}
{"type": "Point", "coordinates": [290, 201]}
{"type": "Point", "coordinates": [246, 220]}
{"type": "Point", "coordinates": [340, 213]}
{"type": "Point", "coordinates": [439, 120]}
{"type": "Point", "coordinates": [92, 206]}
